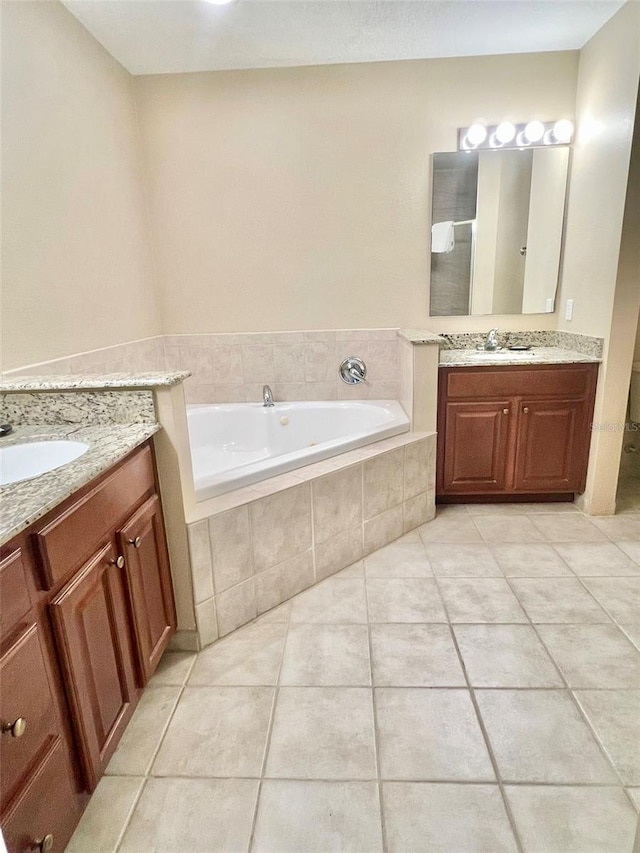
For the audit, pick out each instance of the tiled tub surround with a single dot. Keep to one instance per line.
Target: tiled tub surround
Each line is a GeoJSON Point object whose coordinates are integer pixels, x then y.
{"type": "Point", "coordinates": [248, 559]}
{"type": "Point", "coordinates": [297, 365]}
{"type": "Point", "coordinates": [455, 691]}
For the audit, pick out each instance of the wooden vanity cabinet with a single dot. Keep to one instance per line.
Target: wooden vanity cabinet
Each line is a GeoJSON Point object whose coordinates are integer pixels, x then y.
{"type": "Point", "coordinates": [514, 431]}
{"type": "Point", "coordinates": [90, 619]}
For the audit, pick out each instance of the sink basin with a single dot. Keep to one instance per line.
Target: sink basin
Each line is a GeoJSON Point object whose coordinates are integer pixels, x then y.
{"type": "Point", "coordinates": [500, 355]}
{"type": "Point", "coordinates": [31, 459]}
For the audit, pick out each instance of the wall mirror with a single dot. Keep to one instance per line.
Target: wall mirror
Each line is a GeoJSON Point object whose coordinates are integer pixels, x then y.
{"type": "Point", "coordinates": [496, 234]}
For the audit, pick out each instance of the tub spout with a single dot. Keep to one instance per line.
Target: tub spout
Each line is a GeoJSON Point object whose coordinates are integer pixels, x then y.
{"type": "Point", "coordinates": [267, 396]}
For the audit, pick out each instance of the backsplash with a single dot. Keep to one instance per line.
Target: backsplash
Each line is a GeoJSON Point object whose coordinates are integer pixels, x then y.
{"type": "Point", "coordinates": [583, 344]}
{"type": "Point", "coordinates": [77, 407]}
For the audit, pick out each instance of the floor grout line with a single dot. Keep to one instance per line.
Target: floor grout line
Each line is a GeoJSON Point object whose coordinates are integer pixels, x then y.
{"type": "Point", "coordinates": [267, 744]}
{"type": "Point", "coordinates": [483, 730]}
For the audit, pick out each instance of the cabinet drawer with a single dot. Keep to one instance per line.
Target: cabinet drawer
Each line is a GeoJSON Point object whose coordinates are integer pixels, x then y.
{"type": "Point", "coordinates": [25, 696]}
{"type": "Point", "coordinates": [13, 592]}
{"type": "Point", "coordinates": [501, 382]}
{"type": "Point", "coordinates": [68, 541]}
{"type": "Point", "coordinates": [46, 806]}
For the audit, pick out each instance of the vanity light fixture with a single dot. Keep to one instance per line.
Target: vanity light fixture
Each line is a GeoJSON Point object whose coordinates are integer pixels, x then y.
{"type": "Point", "coordinates": [531, 134]}
{"type": "Point", "coordinates": [220, 2]}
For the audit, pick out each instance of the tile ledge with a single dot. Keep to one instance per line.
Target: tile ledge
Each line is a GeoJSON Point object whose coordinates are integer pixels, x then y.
{"type": "Point", "coordinates": [93, 382]}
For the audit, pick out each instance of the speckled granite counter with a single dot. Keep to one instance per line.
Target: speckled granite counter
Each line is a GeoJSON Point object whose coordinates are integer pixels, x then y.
{"type": "Point", "coordinates": [93, 382]}
{"type": "Point", "coordinates": [536, 355]}
{"type": "Point", "coordinates": [23, 503]}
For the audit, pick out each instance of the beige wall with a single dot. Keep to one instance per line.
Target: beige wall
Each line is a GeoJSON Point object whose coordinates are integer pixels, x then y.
{"type": "Point", "coordinates": [299, 198]}
{"type": "Point", "coordinates": [601, 269]}
{"type": "Point", "coordinates": [77, 270]}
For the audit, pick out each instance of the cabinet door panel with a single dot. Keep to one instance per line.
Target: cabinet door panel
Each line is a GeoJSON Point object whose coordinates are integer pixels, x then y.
{"type": "Point", "coordinates": [143, 542]}
{"type": "Point", "coordinates": [476, 442]}
{"type": "Point", "coordinates": [25, 695]}
{"type": "Point", "coordinates": [93, 634]}
{"type": "Point", "coordinates": [47, 805]}
{"type": "Point", "coordinates": [552, 446]}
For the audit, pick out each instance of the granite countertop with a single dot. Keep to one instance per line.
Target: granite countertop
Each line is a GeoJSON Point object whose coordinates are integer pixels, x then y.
{"type": "Point", "coordinates": [23, 503]}
{"type": "Point", "coordinates": [536, 355]}
{"type": "Point", "coordinates": [93, 382]}
{"type": "Point", "coordinates": [420, 336]}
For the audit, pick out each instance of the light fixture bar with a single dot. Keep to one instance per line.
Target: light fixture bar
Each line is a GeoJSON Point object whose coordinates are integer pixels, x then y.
{"type": "Point", "coordinates": [533, 134]}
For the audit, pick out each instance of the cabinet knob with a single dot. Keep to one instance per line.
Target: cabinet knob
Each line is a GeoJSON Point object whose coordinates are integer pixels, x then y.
{"type": "Point", "coordinates": [526, 410]}
{"type": "Point", "coordinates": [505, 411]}
{"type": "Point", "coordinates": [16, 728]}
{"type": "Point", "coordinates": [45, 844]}
{"type": "Point", "coordinates": [118, 562]}
{"type": "Point", "coordinates": [137, 542]}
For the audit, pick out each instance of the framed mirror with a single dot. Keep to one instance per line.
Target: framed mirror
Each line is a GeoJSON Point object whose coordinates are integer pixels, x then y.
{"type": "Point", "coordinates": [496, 235]}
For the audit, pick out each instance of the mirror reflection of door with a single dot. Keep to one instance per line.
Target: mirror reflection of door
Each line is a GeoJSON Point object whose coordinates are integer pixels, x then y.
{"type": "Point", "coordinates": [504, 212]}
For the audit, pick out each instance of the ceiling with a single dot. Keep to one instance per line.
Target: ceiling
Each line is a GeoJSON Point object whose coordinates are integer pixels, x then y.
{"type": "Point", "coordinates": [172, 36]}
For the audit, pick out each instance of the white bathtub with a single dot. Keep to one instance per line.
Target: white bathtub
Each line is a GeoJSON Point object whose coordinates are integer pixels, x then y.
{"type": "Point", "coordinates": [236, 444]}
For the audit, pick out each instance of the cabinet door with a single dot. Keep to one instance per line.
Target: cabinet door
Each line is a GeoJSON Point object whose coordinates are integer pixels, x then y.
{"type": "Point", "coordinates": [92, 630]}
{"type": "Point", "coordinates": [142, 541]}
{"type": "Point", "coordinates": [552, 446]}
{"type": "Point", "coordinates": [476, 447]}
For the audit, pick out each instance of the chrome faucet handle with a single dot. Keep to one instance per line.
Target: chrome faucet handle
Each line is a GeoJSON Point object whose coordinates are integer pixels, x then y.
{"type": "Point", "coordinates": [353, 370]}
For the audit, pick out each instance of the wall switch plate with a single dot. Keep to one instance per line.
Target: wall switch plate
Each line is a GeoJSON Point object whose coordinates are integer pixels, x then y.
{"type": "Point", "coordinates": [568, 311]}
{"type": "Point", "coordinates": [549, 306]}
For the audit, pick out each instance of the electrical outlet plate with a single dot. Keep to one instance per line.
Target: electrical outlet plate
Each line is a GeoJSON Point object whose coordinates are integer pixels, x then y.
{"type": "Point", "coordinates": [568, 311]}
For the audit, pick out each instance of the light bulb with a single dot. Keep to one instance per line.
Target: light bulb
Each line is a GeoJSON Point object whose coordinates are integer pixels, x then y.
{"type": "Point", "coordinates": [477, 134]}
{"type": "Point", "coordinates": [563, 130]}
{"type": "Point", "coordinates": [534, 131]}
{"type": "Point", "coordinates": [505, 132]}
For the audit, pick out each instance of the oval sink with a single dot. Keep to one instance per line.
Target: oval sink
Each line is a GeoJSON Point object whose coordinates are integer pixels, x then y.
{"type": "Point", "coordinates": [31, 459]}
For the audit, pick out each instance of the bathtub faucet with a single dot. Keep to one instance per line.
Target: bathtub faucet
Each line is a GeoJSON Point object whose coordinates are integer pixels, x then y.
{"type": "Point", "coordinates": [267, 396]}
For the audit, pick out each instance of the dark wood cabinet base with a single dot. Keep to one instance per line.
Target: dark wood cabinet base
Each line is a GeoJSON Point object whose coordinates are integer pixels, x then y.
{"type": "Point", "coordinates": [514, 433]}
{"type": "Point", "coordinates": [87, 611]}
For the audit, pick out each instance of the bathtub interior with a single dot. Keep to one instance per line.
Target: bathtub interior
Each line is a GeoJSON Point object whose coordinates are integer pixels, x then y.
{"type": "Point", "coordinates": [235, 445]}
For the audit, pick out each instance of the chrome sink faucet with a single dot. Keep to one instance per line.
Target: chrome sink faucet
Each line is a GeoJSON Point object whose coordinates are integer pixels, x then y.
{"type": "Point", "coordinates": [491, 342]}
{"type": "Point", "coordinates": [267, 396]}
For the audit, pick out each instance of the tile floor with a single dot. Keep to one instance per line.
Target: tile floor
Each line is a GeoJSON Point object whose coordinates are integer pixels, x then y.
{"type": "Point", "coordinates": [475, 686]}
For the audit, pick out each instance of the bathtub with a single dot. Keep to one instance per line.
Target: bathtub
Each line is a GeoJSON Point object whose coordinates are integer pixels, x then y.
{"type": "Point", "coordinates": [237, 444]}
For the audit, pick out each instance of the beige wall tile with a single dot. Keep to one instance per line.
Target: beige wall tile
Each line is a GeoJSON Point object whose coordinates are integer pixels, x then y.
{"type": "Point", "coordinates": [281, 526]}
{"type": "Point", "coordinates": [226, 365]}
{"type": "Point", "coordinates": [231, 548]}
{"type": "Point", "coordinates": [200, 553]}
{"type": "Point", "coordinates": [419, 467]}
{"type": "Point", "coordinates": [322, 390]}
{"type": "Point", "coordinates": [279, 583]}
{"type": "Point", "coordinates": [207, 622]}
{"type": "Point", "coordinates": [338, 552]}
{"type": "Point", "coordinates": [257, 362]}
{"type": "Point", "coordinates": [288, 360]}
{"type": "Point", "coordinates": [383, 482]}
{"type": "Point", "coordinates": [418, 510]}
{"type": "Point", "coordinates": [382, 529]}
{"type": "Point", "coordinates": [320, 363]}
{"type": "Point", "coordinates": [236, 607]}
{"type": "Point", "coordinates": [337, 503]}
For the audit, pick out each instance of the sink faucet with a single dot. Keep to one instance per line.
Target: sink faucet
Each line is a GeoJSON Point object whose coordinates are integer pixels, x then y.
{"type": "Point", "coordinates": [267, 396]}
{"type": "Point", "coordinates": [491, 342]}
{"type": "Point", "coordinates": [5, 429]}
